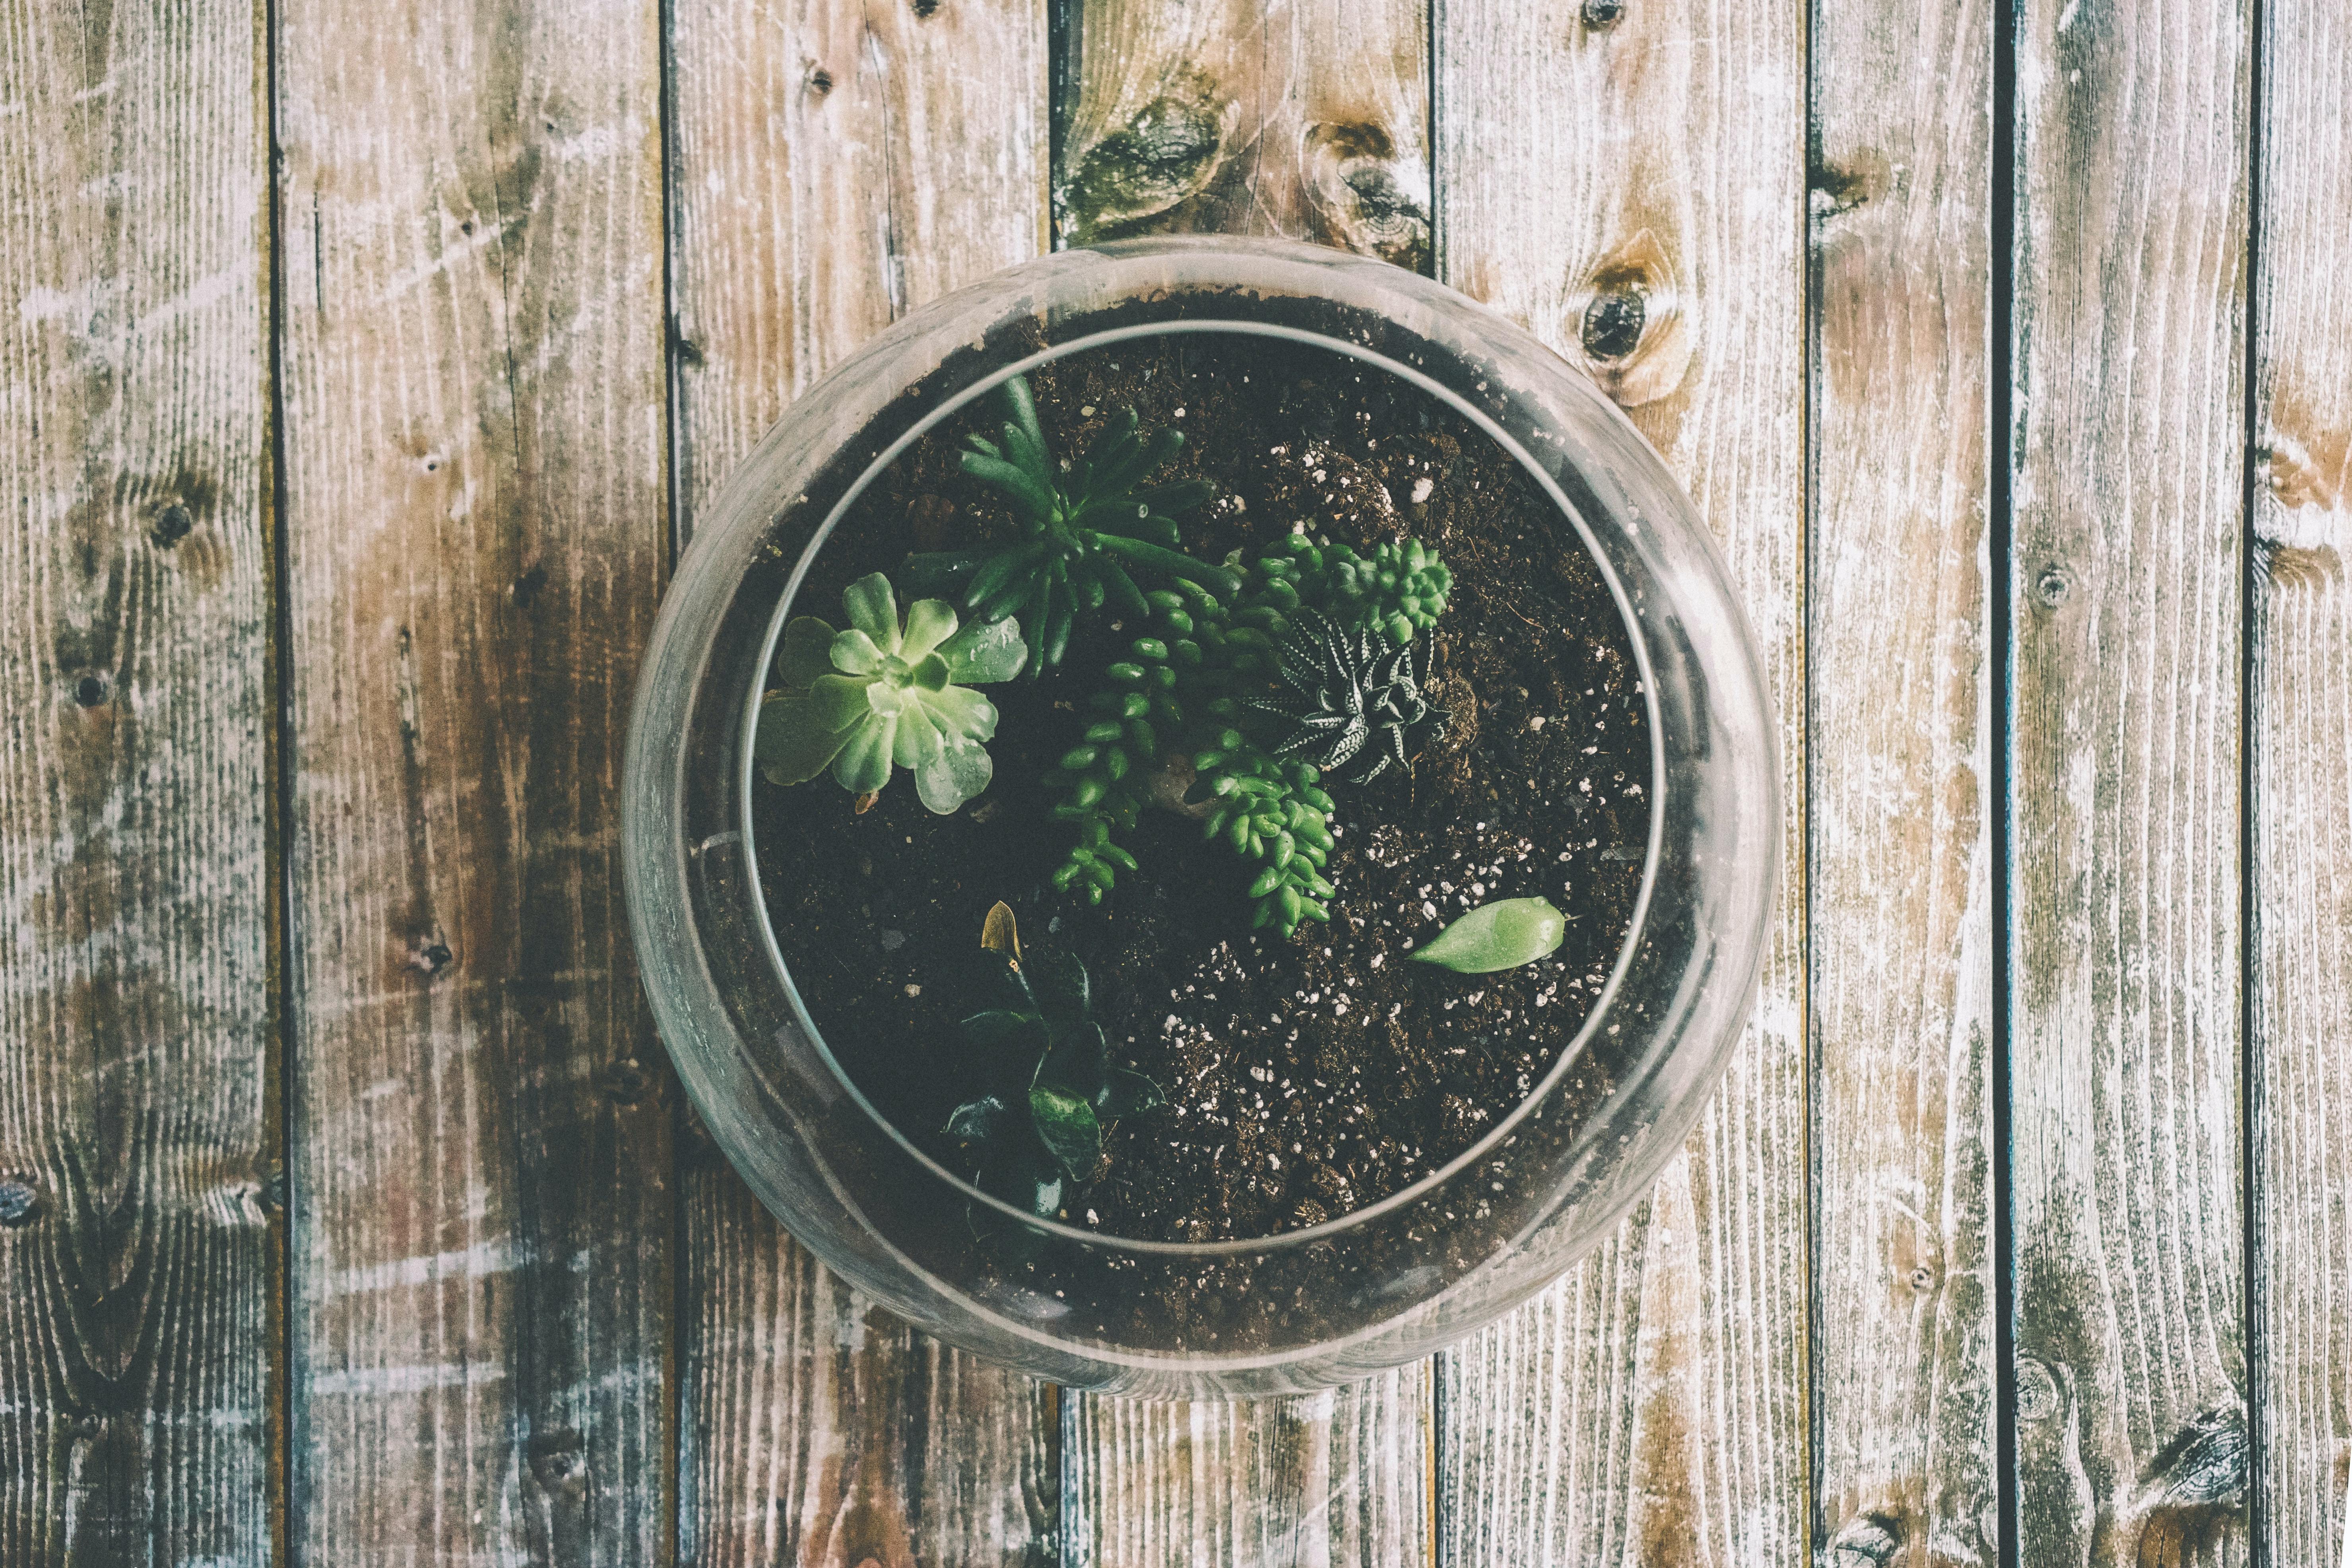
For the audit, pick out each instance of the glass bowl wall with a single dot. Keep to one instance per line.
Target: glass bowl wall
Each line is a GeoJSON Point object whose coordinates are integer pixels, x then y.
{"type": "Point", "coordinates": [1309, 1308]}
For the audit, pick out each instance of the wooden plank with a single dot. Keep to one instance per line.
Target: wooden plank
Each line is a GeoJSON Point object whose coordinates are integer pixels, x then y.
{"type": "Point", "coordinates": [2301, 732]}
{"type": "Point", "coordinates": [2126, 980]}
{"type": "Point", "coordinates": [1305, 118]}
{"type": "Point", "coordinates": [1313, 1478]}
{"type": "Point", "coordinates": [138, 1228]}
{"type": "Point", "coordinates": [1902, 784]}
{"type": "Point", "coordinates": [834, 164]}
{"type": "Point", "coordinates": [1654, 234]}
{"type": "Point", "coordinates": [474, 405]}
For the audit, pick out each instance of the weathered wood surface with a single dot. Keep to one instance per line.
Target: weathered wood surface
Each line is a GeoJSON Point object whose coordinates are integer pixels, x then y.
{"type": "Point", "coordinates": [2127, 588]}
{"type": "Point", "coordinates": [474, 485]}
{"type": "Point", "coordinates": [138, 1231]}
{"type": "Point", "coordinates": [1305, 118]}
{"type": "Point", "coordinates": [1629, 182]}
{"type": "Point", "coordinates": [527, 1321]}
{"type": "Point", "coordinates": [832, 164]}
{"type": "Point", "coordinates": [2301, 733]}
{"type": "Point", "coordinates": [1317, 1478]}
{"type": "Point", "coordinates": [1901, 782]}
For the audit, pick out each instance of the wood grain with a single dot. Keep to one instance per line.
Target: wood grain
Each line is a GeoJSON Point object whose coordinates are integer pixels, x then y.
{"type": "Point", "coordinates": [2301, 732]}
{"type": "Point", "coordinates": [1312, 1479]}
{"type": "Point", "coordinates": [2126, 591]}
{"type": "Point", "coordinates": [1305, 118]}
{"type": "Point", "coordinates": [1309, 119]}
{"type": "Point", "coordinates": [1629, 183]}
{"type": "Point", "coordinates": [137, 1126]}
{"type": "Point", "coordinates": [832, 164]}
{"type": "Point", "coordinates": [475, 477]}
{"type": "Point", "coordinates": [1902, 785]}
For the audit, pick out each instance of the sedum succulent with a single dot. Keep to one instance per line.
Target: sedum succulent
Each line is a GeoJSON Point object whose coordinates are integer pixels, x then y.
{"type": "Point", "coordinates": [881, 693]}
{"type": "Point", "coordinates": [1346, 701]}
{"type": "Point", "coordinates": [1086, 530]}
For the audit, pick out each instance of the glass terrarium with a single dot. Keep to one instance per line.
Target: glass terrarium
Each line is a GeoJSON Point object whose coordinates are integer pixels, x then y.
{"type": "Point", "coordinates": [1346, 1157]}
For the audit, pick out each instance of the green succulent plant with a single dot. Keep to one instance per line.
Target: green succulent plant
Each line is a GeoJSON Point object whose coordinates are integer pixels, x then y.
{"type": "Point", "coordinates": [1086, 530]}
{"type": "Point", "coordinates": [1399, 589]}
{"type": "Point", "coordinates": [1347, 703]}
{"type": "Point", "coordinates": [1055, 1086]}
{"type": "Point", "coordinates": [880, 693]}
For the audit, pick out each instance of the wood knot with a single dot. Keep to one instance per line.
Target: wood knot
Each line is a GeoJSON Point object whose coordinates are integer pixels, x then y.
{"type": "Point", "coordinates": [1612, 324]}
{"type": "Point", "coordinates": [1164, 156]}
{"type": "Point", "coordinates": [1627, 319]}
{"type": "Point", "coordinates": [430, 956]}
{"type": "Point", "coordinates": [820, 81]}
{"type": "Point", "coordinates": [2053, 586]}
{"type": "Point", "coordinates": [626, 1082]}
{"type": "Point", "coordinates": [2204, 1465]}
{"type": "Point", "coordinates": [558, 1462]}
{"type": "Point", "coordinates": [20, 1201]}
{"type": "Point", "coordinates": [927, 9]}
{"type": "Point", "coordinates": [1869, 1538]}
{"type": "Point", "coordinates": [1601, 14]}
{"type": "Point", "coordinates": [173, 524]}
{"type": "Point", "coordinates": [527, 586]}
{"type": "Point", "coordinates": [94, 689]}
{"type": "Point", "coordinates": [1362, 198]}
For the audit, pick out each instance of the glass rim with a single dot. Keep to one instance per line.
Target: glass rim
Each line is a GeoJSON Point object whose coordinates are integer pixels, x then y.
{"type": "Point", "coordinates": [1603, 1001]}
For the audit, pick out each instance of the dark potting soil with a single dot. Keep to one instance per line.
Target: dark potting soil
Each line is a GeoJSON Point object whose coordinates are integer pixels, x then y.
{"type": "Point", "coordinates": [1308, 1077]}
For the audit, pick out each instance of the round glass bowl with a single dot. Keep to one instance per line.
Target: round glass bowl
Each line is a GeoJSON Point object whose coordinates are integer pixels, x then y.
{"type": "Point", "coordinates": [1304, 1309]}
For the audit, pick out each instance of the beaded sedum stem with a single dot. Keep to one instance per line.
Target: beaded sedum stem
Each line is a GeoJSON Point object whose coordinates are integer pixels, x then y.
{"type": "Point", "coordinates": [1185, 686]}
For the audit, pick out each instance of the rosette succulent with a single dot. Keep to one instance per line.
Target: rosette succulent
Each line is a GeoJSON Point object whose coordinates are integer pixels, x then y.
{"type": "Point", "coordinates": [1086, 530]}
{"type": "Point", "coordinates": [881, 693]}
{"type": "Point", "coordinates": [1347, 702]}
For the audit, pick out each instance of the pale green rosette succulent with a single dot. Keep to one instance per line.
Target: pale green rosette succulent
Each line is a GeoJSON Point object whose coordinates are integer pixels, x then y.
{"type": "Point", "coordinates": [881, 693]}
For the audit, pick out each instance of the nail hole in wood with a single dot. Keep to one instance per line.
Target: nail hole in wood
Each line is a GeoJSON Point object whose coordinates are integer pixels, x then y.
{"type": "Point", "coordinates": [20, 1200]}
{"type": "Point", "coordinates": [92, 689]}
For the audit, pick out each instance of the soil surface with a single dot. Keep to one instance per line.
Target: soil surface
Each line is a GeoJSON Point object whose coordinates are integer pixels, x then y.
{"type": "Point", "coordinates": [1305, 1077]}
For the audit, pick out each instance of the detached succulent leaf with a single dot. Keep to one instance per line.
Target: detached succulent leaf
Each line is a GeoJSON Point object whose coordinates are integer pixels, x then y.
{"type": "Point", "coordinates": [879, 694]}
{"type": "Point", "coordinates": [1501, 935]}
